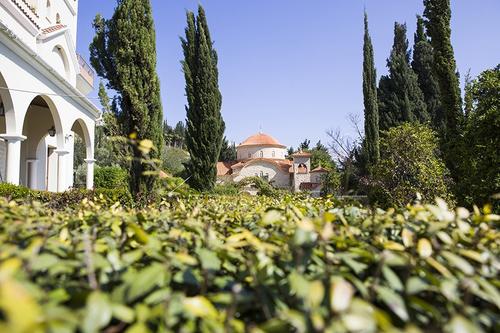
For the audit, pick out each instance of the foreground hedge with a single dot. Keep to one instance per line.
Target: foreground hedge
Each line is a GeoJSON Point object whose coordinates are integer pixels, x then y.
{"type": "Point", "coordinates": [250, 264]}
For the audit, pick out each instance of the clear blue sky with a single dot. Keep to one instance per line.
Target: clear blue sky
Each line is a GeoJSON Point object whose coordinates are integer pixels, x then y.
{"type": "Point", "coordinates": [293, 67]}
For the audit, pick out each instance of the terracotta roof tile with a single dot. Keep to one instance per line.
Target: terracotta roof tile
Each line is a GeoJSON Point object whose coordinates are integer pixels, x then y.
{"type": "Point", "coordinates": [224, 168]}
{"type": "Point", "coordinates": [261, 139]}
{"type": "Point", "coordinates": [320, 169]}
{"type": "Point", "coordinates": [53, 28]}
{"type": "Point", "coordinates": [302, 154]}
{"type": "Point", "coordinates": [309, 186]}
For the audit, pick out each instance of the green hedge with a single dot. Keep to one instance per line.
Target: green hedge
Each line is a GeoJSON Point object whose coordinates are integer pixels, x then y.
{"type": "Point", "coordinates": [110, 177]}
{"type": "Point", "coordinates": [248, 264]}
{"type": "Point", "coordinates": [66, 199]}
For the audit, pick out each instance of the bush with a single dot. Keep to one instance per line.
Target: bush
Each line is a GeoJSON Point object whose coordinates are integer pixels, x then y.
{"type": "Point", "coordinates": [111, 177]}
{"type": "Point", "coordinates": [68, 199]}
{"type": "Point", "coordinates": [249, 264]}
{"type": "Point", "coordinates": [174, 160]}
{"type": "Point", "coordinates": [408, 165]}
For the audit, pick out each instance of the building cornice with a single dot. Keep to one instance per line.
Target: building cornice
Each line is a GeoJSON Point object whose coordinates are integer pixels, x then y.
{"type": "Point", "coordinates": [36, 61]}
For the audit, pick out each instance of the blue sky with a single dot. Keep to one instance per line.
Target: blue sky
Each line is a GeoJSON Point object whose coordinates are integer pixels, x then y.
{"type": "Point", "coordinates": [293, 67]}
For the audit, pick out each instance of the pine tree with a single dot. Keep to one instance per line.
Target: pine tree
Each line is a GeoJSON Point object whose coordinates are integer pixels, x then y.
{"type": "Point", "coordinates": [205, 126]}
{"type": "Point", "coordinates": [422, 64]}
{"type": "Point", "coordinates": [400, 98]}
{"type": "Point", "coordinates": [124, 53]}
{"type": "Point", "coordinates": [370, 99]}
{"type": "Point", "coordinates": [438, 16]}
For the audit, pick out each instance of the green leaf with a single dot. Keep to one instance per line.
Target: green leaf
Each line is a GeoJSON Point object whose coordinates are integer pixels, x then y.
{"type": "Point", "coordinates": [394, 301]}
{"type": "Point", "coordinates": [123, 313]}
{"type": "Point", "coordinates": [458, 262]}
{"type": "Point", "coordinates": [209, 260]}
{"type": "Point", "coordinates": [43, 262]}
{"type": "Point", "coordinates": [392, 279]}
{"type": "Point", "coordinates": [199, 306]}
{"type": "Point", "coordinates": [98, 312]}
{"type": "Point", "coordinates": [145, 280]}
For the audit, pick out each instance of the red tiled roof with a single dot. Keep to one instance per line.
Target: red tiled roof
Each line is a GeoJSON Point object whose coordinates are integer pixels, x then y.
{"type": "Point", "coordinates": [320, 169]}
{"type": "Point", "coordinates": [302, 154]}
{"type": "Point", "coordinates": [224, 168]}
{"type": "Point", "coordinates": [261, 139]}
{"type": "Point", "coordinates": [53, 28]}
{"type": "Point", "coordinates": [309, 186]}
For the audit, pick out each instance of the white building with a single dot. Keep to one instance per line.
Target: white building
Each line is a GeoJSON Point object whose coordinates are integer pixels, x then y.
{"type": "Point", "coordinates": [263, 156]}
{"type": "Point", "coordinates": [43, 83]}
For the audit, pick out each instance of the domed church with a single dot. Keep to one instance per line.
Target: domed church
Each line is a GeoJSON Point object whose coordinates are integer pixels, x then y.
{"type": "Point", "coordinates": [263, 156]}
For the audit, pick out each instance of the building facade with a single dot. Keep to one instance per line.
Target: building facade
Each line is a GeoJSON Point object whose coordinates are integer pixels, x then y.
{"type": "Point", "coordinates": [43, 88]}
{"type": "Point", "coordinates": [263, 156]}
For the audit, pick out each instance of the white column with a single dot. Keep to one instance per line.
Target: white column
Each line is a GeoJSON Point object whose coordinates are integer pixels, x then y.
{"type": "Point", "coordinates": [61, 170]}
{"type": "Point", "coordinates": [13, 157]}
{"type": "Point", "coordinates": [90, 173]}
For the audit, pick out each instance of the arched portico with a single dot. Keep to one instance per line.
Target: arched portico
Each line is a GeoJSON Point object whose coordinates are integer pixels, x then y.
{"type": "Point", "coordinates": [42, 152]}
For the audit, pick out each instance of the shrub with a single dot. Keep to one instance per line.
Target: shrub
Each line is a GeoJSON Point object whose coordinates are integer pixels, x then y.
{"type": "Point", "coordinates": [110, 177]}
{"type": "Point", "coordinates": [408, 165]}
{"type": "Point", "coordinates": [248, 264]}
{"type": "Point", "coordinates": [68, 199]}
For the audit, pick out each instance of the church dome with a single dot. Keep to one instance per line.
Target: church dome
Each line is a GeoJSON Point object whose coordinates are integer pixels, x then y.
{"type": "Point", "coordinates": [261, 139]}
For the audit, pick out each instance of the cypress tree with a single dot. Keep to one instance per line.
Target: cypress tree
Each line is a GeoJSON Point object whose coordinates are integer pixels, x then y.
{"type": "Point", "coordinates": [205, 126]}
{"type": "Point", "coordinates": [370, 99]}
{"type": "Point", "coordinates": [123, 52]}
{"type": "Point", "coordinates": [422, 64]}
{"type": "Point", "coordinates": [437, 15]}
{"type": "Point", "coordinates": [400, 98]}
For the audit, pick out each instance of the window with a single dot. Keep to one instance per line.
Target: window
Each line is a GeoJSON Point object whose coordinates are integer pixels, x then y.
{"type": "Point", "coordinates": [58, 18]}
{"type": "Point", "coordinates": [49, 10]}
{"type": "Point", "coordinates": [261, 154]}
{"type": "Point", "coordinates": [274, 153]}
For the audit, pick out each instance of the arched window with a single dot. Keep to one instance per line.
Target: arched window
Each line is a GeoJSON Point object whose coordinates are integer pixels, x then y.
{"type": "Point", "coordinates": [261, 154]}
{"type": "Point", "coordinates": [48, 10]}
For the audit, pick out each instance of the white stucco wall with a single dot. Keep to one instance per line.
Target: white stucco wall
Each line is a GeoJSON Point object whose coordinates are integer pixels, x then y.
{"type": "Point", "coordinates": [277, 176]}
{"type": "Point", "coordinates": [20, 71]}
{"type": "Point", "coordinates": [247, 152]}
{"type": "Point", "coordinates": [3, 156]}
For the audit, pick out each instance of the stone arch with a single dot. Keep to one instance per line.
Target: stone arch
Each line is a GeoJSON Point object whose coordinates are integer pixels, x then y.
{"type": "Point", "coordinates": [80, 127]}
{"type": "Point", "coordinates": [8, 123]}
{"type": "Point", "coordinates": [62, 62]}
{"type": "Point", "coordinates": [43, 130]}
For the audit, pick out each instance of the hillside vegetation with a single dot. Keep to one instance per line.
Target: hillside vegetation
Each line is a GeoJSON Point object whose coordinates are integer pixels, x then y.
{"type": "Point", "coordinates": [248, 264]}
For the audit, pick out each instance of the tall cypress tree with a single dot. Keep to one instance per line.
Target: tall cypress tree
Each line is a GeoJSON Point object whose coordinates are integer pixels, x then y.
{"type": "Point", "coordinates": [370, 99]}
{"type": "Point", "coordinates": [124, 53]}
{"type": "Point", "coordinates": [205, 126]}
{"type": "Point", "coordinates": [422, 64]}
{"type": "Point", "coordinates": [438, 16]}
{"type": "Point", "coordinates": [400, 98]}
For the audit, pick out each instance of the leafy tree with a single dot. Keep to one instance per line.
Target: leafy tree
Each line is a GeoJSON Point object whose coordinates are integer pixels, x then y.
{"type": "Point", "coordinates": [123, 52]}
{"type": "Point", "coordinates": [468, 98]}
{"type": "Point", "coordinates": [175, 137]}
{"type": "Point", "coordinates": [371, 141]}
{"type": "Point", "coordinates": [290, 152]}
{"type": "Point", "coordinates": [423, 64]}
{"type": "Point", "coordinates": [228, 151]}
{"type": "Point", "coordinates": [321, 157]}
{"type": "Point", "coordinates": [481, 155]}
{"type": "Point", "coordinates": [174, 160]}
{"type": "Point", "coordinates": [437, 15]}
{"type": "Point", "coordinates": [205, 126]}
{"type": "Point", "coordinates": [399, 96]}
{"type": "Point", "coordinates": [408, 165]}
